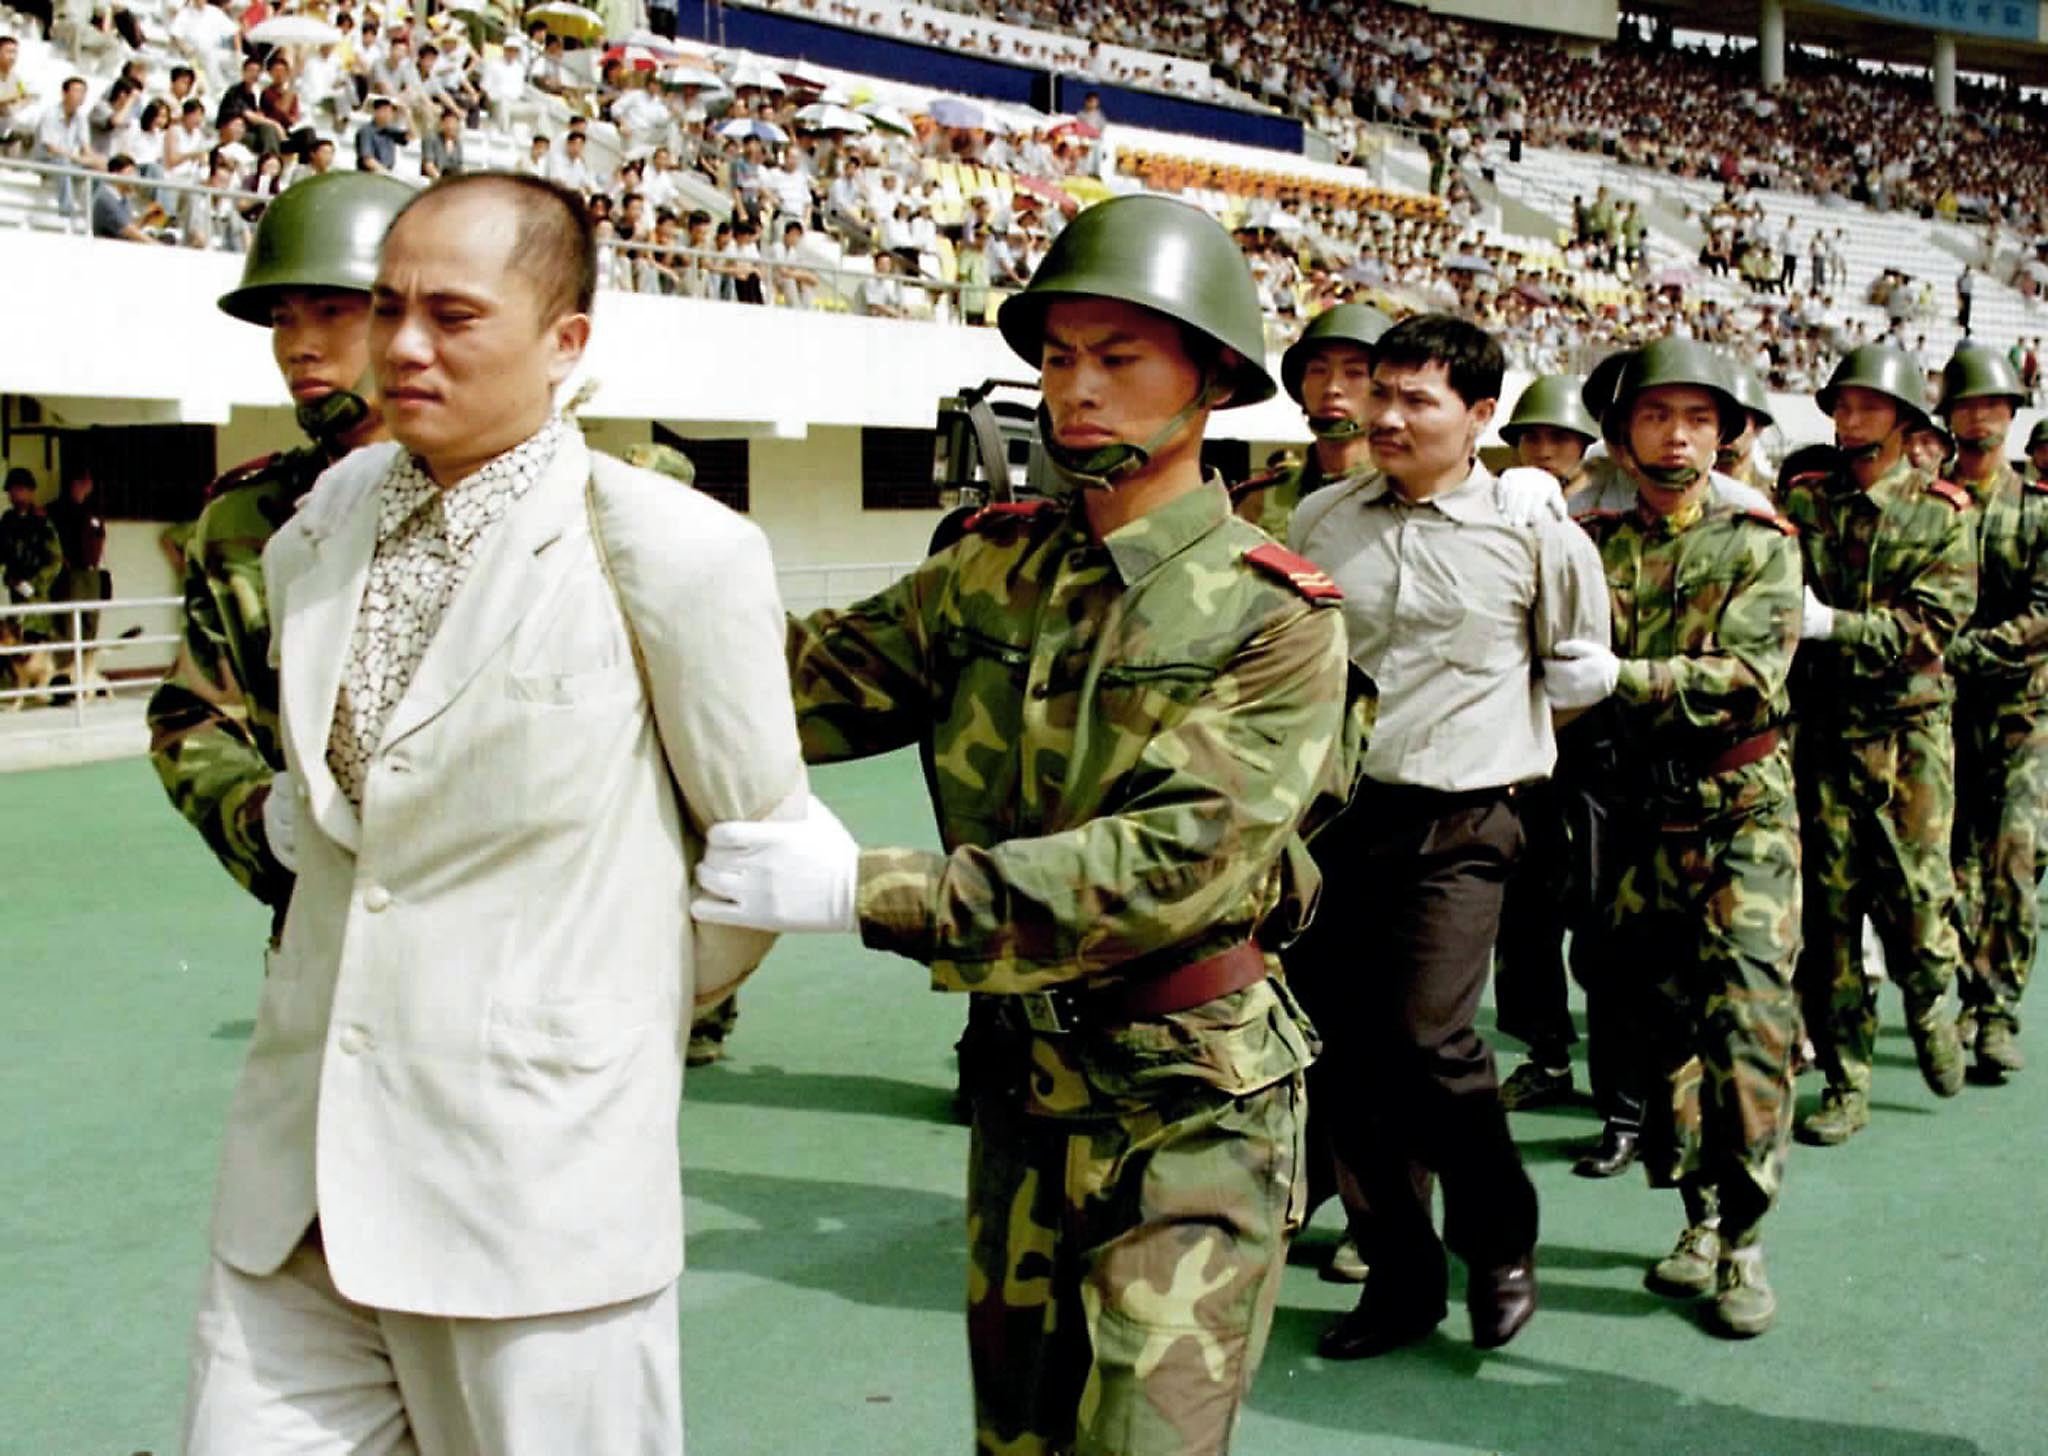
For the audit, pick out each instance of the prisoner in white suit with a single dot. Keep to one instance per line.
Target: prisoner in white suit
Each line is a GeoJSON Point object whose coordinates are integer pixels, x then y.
{"type": "Point", "coordinates": [449, 1217]}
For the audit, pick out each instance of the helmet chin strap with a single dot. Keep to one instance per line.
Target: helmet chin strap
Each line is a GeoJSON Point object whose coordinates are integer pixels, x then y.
{"type": "Point", "coordinates": [1671, 477]}
{"type": "Point", "coordinates": [330, 419]}
{"type": "Point", "coordinates": [1108, 466]}
{"type": "Point", "coordinates": [1335, 428]}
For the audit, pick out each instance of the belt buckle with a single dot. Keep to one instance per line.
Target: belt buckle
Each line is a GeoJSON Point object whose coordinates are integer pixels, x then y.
{"type": "Point", "coordinates": [1042, 1011]}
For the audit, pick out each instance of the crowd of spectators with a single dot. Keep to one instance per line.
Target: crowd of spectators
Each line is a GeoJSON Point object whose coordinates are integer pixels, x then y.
{"type": "Point", "coordinates": [702, 188]}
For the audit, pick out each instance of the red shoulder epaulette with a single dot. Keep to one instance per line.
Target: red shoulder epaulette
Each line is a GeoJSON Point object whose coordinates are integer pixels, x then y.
{"type": "Point", "coordinates": [1809, 477]}
{"type": "Point", "coordinates": [1297, 571]}
{"type": "Point", "coordinates": [242, 474]}
{"type": "Point", "coordinates": [1008, 513]}
{"type": "Point", "coordinates": [1772, 519]}
{"type": "Point", "coordinates": [1949, 491]}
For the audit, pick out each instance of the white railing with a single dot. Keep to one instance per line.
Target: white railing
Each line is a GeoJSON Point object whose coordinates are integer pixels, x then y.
{"type": "Point", "coordinates": [129, 627]}
{"type": "Point", "coordinates": [28, 668]}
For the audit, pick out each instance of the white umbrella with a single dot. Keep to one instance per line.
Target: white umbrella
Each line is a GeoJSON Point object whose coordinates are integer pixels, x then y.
{"type": "Point", "coordinates": [756, 75]}
{"type": "Point", "coordinates": [284, 30]}
{"type": "Point", "coordinates": [806, 75]}
{"type": "Point", "coordinates": [667, 49]}
{"type": "Point", "coordinates": [741, 127]}
{"type": "Point", "coordinates": [677, 77]}
{"type": "Point", "coordinates": [825, 117]}
{"type": "Point", "coordinates": [886, 118]}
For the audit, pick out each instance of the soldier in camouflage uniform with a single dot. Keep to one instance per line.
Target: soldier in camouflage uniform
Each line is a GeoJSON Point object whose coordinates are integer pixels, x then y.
{"type": "Point", "coordinates": [1131, 698]}
{"type": "Point", "coordinates": [1327, 371]}
{"type": "Point", "coordinates": [2037, 451]}
{"type": "Point", "coordinates": [1737, 458]}
{"type": "Point", "coordinates": [213, 720]}
{"type": "Point", "coordinates": [1891, 577]}
{"type": "Point", "coordinates": [31, 555]}
{"type": "Point", "coordinates": [2000, 664]}
{"type": "Point", "coordinates": [1706, 602]}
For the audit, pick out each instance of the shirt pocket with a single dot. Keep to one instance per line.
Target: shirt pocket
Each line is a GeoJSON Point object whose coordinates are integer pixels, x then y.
{"type": "Point", "coordinates": [1144, 697]}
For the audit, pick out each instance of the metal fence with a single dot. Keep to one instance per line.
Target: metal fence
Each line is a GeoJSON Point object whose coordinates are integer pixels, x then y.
{"type": "Point", "coordinates": [52, 656]}
{"type": "Point", "coordinates": [100, 651]}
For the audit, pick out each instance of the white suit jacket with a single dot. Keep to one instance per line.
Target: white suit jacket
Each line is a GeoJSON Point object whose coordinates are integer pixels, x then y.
{"type": "Point", "coordinates": [467, 1058]}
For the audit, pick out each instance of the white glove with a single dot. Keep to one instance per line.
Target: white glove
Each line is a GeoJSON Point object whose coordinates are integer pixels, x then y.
{"type": "Point", "coordinates": [1816, 619]}
{"type": "Point", "coordinates": [281, 819]}
{"type": "Point", "coordinates": [23, 591]}
{"type": "Point", "coordinates": [1527, 495]}
{"type": "Point", "coordinates": [780, 874]}
{"type": "Point", "coordinates": [1581, 674]}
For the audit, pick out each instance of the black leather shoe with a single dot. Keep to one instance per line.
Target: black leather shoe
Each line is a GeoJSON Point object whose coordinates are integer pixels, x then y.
{"type": "Point", "coordinates": [1500, 1302]}
{"type": "Point", "coordinates": [1377, 1326]}
{"type": "Point", "coordinates": [1612, 1154]}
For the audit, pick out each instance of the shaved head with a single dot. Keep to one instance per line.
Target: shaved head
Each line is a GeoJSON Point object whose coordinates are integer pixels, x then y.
{"type": "Point", "coordinates": [553, 246]}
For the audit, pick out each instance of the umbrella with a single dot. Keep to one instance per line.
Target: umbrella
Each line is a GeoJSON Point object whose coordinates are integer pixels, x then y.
{"type": "Point", "coordinates": [286, 30]}
{"type": "Point", "coordinates": [804, 76]}
{"type": "Point", "coordinates": [757, 76]}
{"type": "Point", "coordinates": [1467, 263]}
{"type": "Point", "coordinates": [677, 77]}
{"type": "Point", "coordinates": [637, 58]}
{"type": "Point", "coordinates": [1075, 128]}
{"type": "Point", "coordinates": [747, 126]}
{"type": "Point", "coordinates": [661, 45]}
{"type": "Point", "coordinates": [825, 117]}
{"type": "Point", "coordinates": [886, 118]}
{"type": "Point", "coordinates": [951, 111]}
{"type": "Point", "coordinates": [484, 21]}
{"type": "Point", "coordinates": [1535, 293]}
{"type": "Point", "coordinates": [571, 22]}
{"type": "Point", "coordinates": [1045, 190]}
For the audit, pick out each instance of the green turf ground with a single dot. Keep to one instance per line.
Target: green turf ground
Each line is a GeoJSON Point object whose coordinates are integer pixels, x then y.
{"type": "Point", "coordinates": [821, 1304]}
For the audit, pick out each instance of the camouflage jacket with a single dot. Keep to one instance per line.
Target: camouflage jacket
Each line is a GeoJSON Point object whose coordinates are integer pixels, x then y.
{"type": "Point", "coordinates": [1268, 498]}
{"type": "Point", "coordinates": [1706, 621]}
{"type": "Point", "coordinates": [30, 553]}
{"type": "Point", "coordinates": [213, 730]}
{"type": "Point", "coordinates": [2002, 656]}
{"type": "Point", "coordinates": [1898, 563]}
{"type": "Point", "coordinates": [1122, 740]}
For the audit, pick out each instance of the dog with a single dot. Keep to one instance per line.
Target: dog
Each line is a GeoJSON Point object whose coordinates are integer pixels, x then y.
{"type": "Point", "coordinates": [23, 665]}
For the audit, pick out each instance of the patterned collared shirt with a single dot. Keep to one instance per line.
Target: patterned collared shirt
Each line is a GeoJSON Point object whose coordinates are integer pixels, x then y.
{"type": "Point", "coordinates": [427, 541]}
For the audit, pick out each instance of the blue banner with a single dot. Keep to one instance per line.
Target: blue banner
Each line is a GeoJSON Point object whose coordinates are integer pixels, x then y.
{"type": "Point", "coordinates": [899, 60]}
{"type": "Point", "coordinates": [1999, 19]}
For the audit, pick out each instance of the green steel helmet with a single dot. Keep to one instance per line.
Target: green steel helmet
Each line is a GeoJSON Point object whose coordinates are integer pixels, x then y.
{"type": "Point", "coordinates": [1553, 400]}
{"type": "Point", "coordinates": [1978, 373]}
{"type": "Point", "coordinates": [1597, 394]}
{"type": "Point", "coordinates": [1160, 254]}
{"type": "Point", "coordinates": [1882, 369]}
{"type": "Point", "coordinates": [1345, 323]}
{"type": "Point", "coordinates": [1750, 394]}
{"type": "Point", "coordinates": [2038, 437]}
{"type": "Point", "coordinates": [324, 232]}
{"type": "Point", "coordinates": [1675, 361]}
{"type": "Point", "coordinates": [663, 460]}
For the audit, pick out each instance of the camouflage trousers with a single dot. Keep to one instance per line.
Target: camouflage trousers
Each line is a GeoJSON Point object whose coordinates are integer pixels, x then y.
{"type": "Point", "coordinates": [2001, 799]}
{"type": "Point", "coordinates": [1876, 815]}
{"type": "Point", "coordinates": [1122, 1271]}
{"type": "Point", "coordinates": [1712, 914]}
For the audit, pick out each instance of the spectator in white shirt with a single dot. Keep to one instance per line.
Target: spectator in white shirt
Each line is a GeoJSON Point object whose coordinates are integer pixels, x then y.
{"type": "Point", "coordinates": [882, 295]}
{"type": "Point", "coordinates": [65, 136]}
{"type": "Point", "coordinates": [570, 168]}
{"type": "Point", "coordinates": [795, 285]}
{"type": "Point", "coordinates": [504, 83]}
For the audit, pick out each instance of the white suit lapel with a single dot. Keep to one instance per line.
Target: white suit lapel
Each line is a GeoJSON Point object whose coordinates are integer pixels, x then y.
{"type": "Point", "coordinates": [320, 607]}
{"type": "Point", "coordinates": [497, 592]}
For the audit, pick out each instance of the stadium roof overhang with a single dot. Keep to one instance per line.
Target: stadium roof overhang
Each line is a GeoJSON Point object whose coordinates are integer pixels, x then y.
{"type": "Point", "coordinates": [1859, 35]}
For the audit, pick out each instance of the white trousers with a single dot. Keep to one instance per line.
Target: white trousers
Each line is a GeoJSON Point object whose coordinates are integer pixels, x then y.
{"type": "Point", "coordinates": [286, 1365]}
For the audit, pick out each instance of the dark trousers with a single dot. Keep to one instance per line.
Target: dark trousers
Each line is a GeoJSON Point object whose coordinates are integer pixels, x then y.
{"type": "Point", "coordinates": [1408, 1094]}
{"type": "Point", "coordinates": [1617, 1046]}
{"type": "Point", "coordinates": [1529, 990]}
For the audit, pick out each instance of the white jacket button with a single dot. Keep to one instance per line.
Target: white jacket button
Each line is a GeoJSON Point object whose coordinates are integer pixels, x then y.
{"type": "Point", "coordinates": [376, 898]}
{"type": "Point", "coordinates": [352, 1040]}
